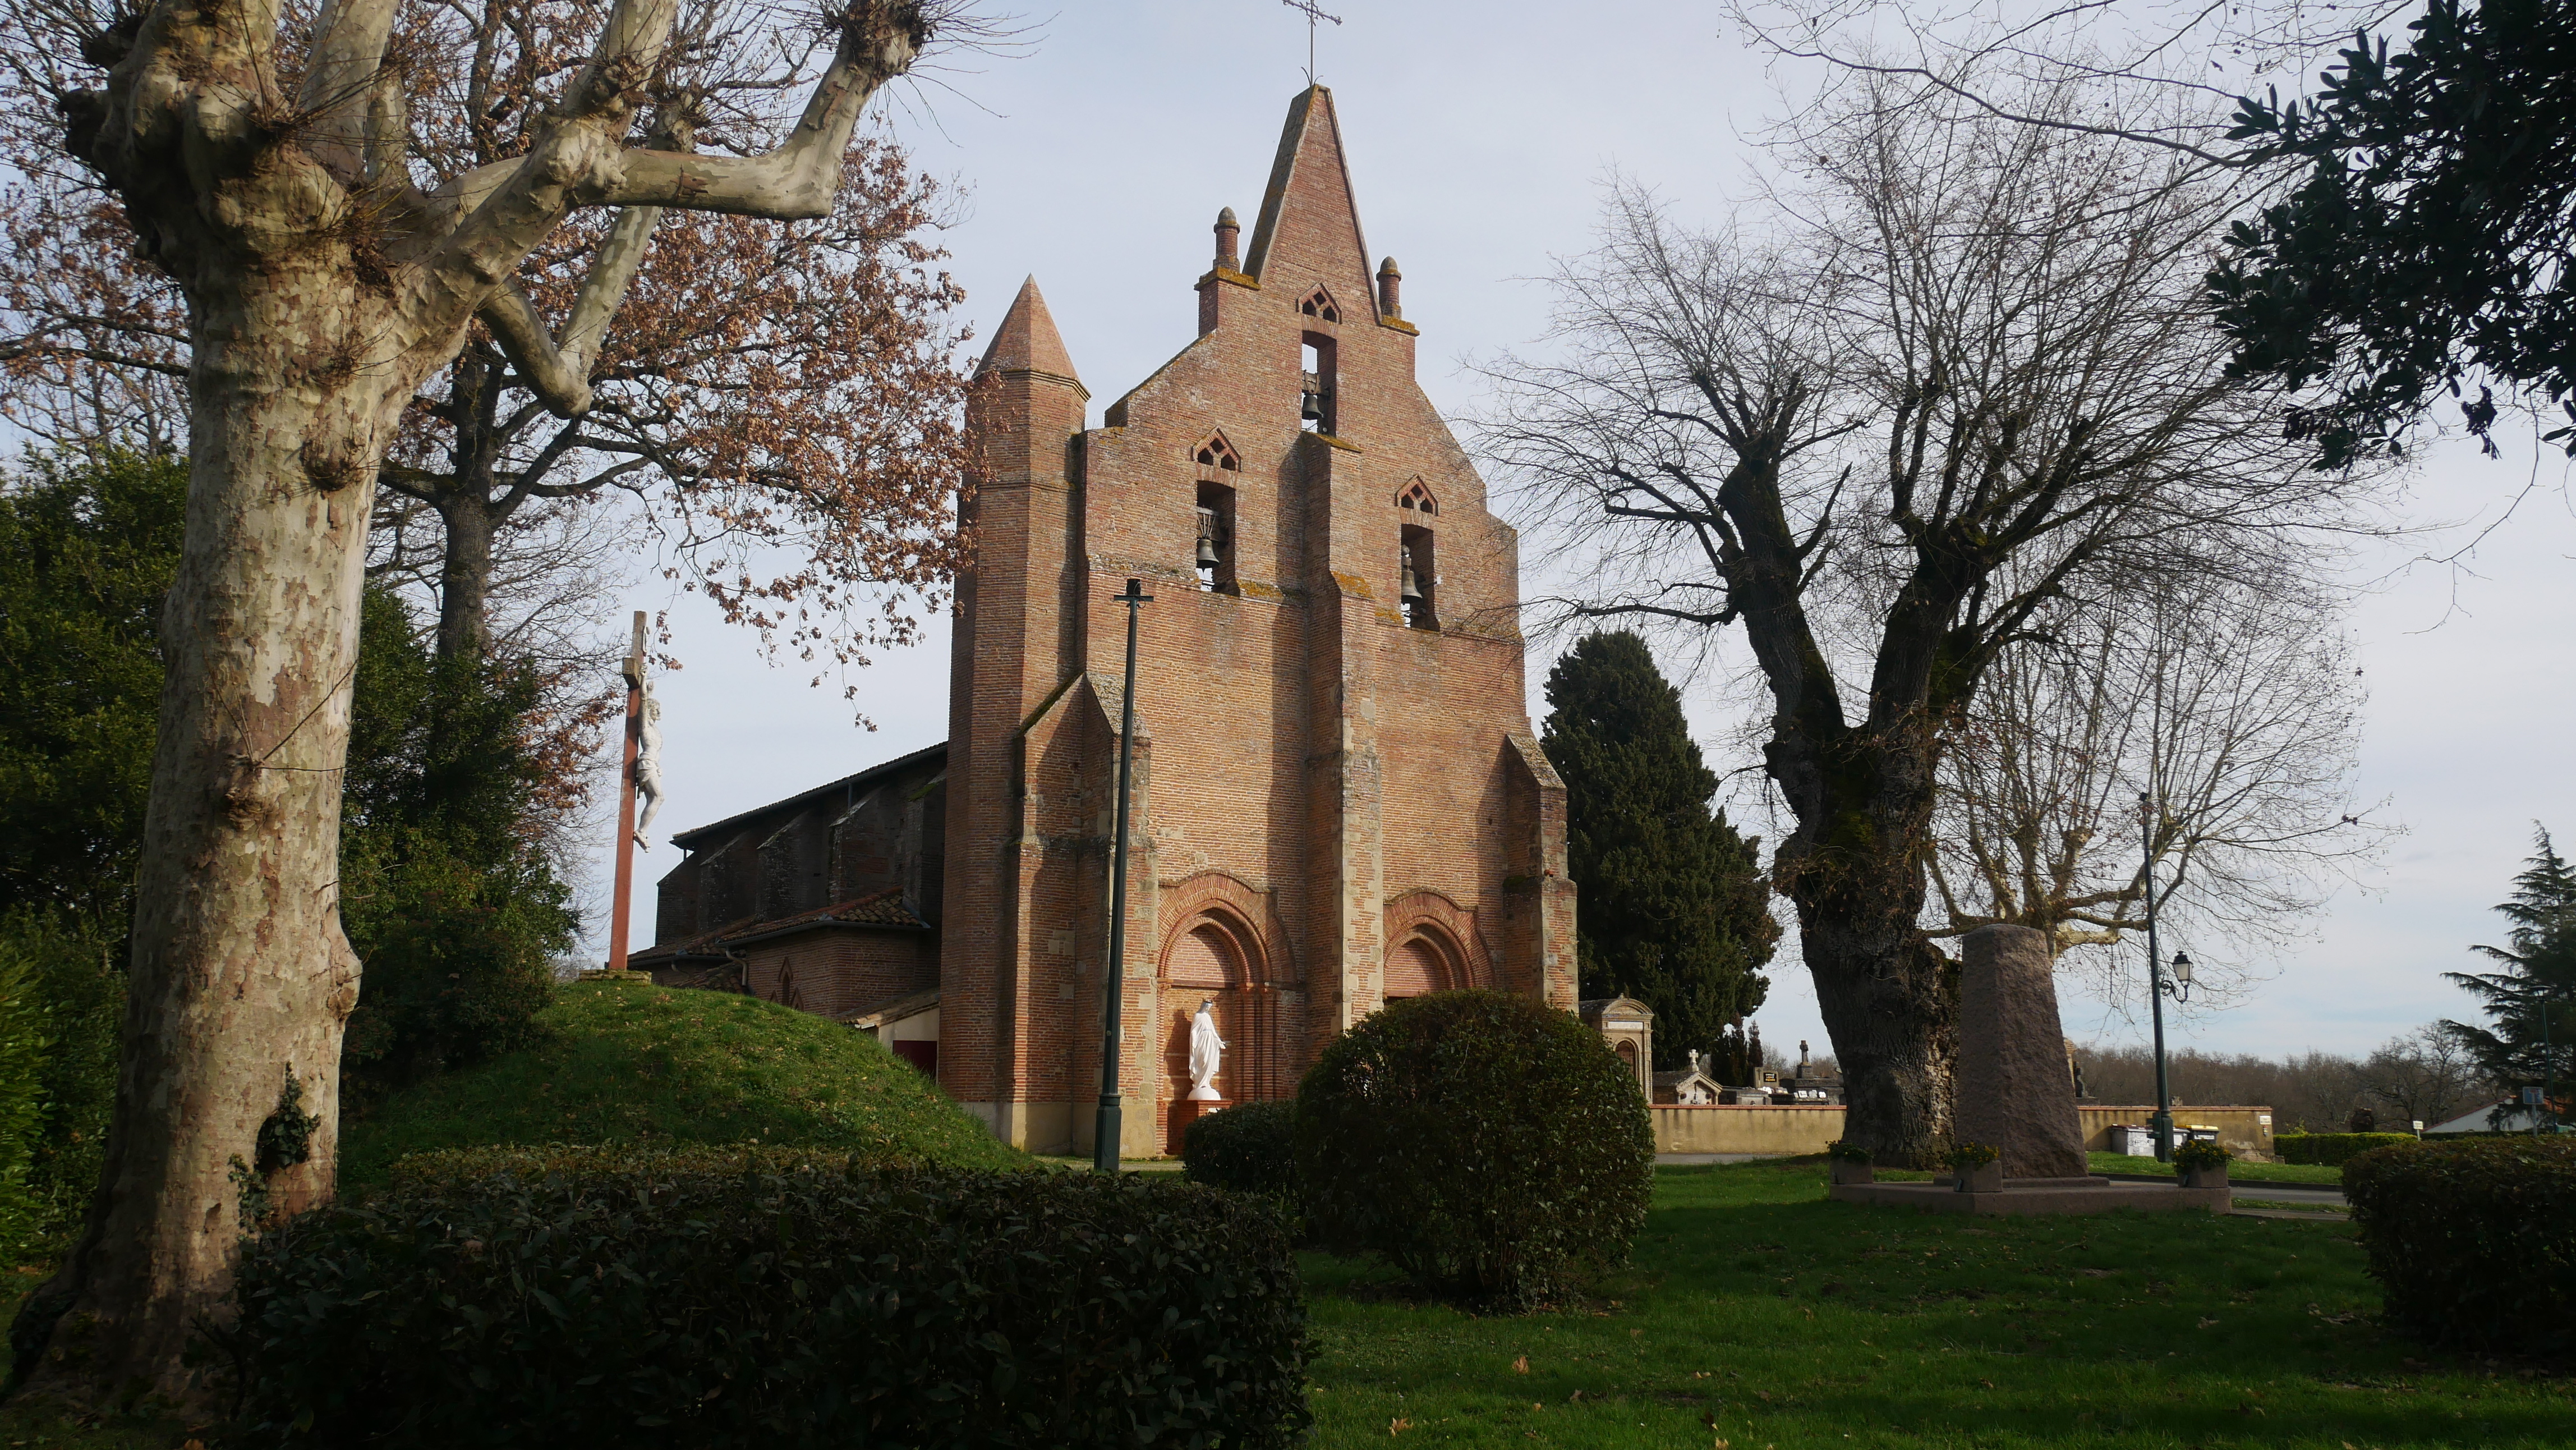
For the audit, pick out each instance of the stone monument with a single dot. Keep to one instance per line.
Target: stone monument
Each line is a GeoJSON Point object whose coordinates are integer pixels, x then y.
{"type": "Point", "coordinates": [2017, 1095]}
{"type": "Point", "coordinates": [2014, 1091]}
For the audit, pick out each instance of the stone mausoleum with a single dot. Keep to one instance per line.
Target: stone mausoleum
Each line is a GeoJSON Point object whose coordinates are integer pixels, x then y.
{"type": "Point", "coordinates": [1338, 799]}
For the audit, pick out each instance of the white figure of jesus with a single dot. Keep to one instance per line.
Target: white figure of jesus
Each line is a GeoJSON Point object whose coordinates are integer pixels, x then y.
{"type": "Point", "coordinates": [648, 766]}
{"type": "Point", "coordinates": [1207, 1054]}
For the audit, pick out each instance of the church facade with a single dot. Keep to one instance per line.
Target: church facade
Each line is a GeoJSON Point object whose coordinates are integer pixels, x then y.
{"type": "Point", "coordinates": [1337, 798]}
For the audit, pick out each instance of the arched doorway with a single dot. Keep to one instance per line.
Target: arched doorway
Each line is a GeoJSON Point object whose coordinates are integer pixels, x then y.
{"type": "Point", "coordinates": [1218, 959]}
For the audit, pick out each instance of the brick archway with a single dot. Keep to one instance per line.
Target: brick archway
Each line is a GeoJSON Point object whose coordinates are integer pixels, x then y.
{"type": "Point", "coordinates": [1249, 914]}
{"type": "Point", "coordinates": [1433, 941]}
{"type": "Point", "coordinates": [1224, 947]}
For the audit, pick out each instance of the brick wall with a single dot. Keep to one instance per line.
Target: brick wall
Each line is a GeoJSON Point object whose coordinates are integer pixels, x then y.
{"type": "Point", "coordinates": [839, 971]}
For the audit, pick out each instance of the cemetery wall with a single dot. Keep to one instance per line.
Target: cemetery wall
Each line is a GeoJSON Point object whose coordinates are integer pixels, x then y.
{"type": "Point", "coordinates": [2246, 1130]}
{"type": "Point", "coordinates": [1788, 1129]}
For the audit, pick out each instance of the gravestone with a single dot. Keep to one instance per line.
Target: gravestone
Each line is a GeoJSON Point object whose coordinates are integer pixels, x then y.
{"type": "Point", "coordinates": [2013, 1087]}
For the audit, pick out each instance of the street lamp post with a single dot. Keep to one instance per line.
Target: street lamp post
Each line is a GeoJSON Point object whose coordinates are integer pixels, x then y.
{"type": "Point", "coordinates": [1105, 1128]}
{"type": "Point", "coordinates": [2160, 1123]}
{"type": "Point", "coordinates": [2548, 1070]}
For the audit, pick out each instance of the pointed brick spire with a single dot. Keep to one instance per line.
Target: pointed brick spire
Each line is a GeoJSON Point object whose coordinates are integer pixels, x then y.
{"type": "Point", "coordinates": [1027, 340]}
{"type": "Point", "coordinates": [1307, 215]}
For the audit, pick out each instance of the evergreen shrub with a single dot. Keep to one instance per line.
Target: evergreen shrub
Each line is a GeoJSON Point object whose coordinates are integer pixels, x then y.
{"type": "Point", "coordinates": [2332, 1148]}
{"type": "Point", "coordinates": [1249, 1148]}
{"type": "Point", "coordinates": [1676, 911]}
{"type": "Point", "coordinates": [22, 1099]}
{"type": "Point", "coordinates": [55, 1136]}
{"type": "Point", "coordinates": [713, 1298]}
{"type": "Point", "coordinates": [1488, 1145]}
{"type": "Point", "coordinates": [2473, 1241]}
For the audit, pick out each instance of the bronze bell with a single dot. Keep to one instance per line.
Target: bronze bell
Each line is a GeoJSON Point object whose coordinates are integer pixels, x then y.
{"type": "Point", "coordinates": [1310, 401]}
{"type": "Point", "coordinates": [1411, 592]}
{"type": "Point", "coordinates": [1207, 538]}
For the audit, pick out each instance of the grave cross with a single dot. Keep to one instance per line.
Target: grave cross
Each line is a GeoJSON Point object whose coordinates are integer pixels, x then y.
{"type": "Point", "coordinates": [1313, 13]}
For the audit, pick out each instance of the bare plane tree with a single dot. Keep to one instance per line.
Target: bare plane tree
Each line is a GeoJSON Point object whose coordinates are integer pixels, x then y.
{"type": "Point", "coordinates": [2035, 64]}
{"type": "Point", "coordinates": [264, 165]}
{"type": "Point", "coordinates": [2236, 710]}
{"type": "Point", "coordinates": [758, 387]}
{"type": "Point", "coordinates": [2424, 1076]}
{"type": "Point", "coordinates": [1953, 371]}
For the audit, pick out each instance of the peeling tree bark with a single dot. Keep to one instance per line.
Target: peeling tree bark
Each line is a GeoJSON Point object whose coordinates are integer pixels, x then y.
{"type": "Point", "coordinates": [321, 290]}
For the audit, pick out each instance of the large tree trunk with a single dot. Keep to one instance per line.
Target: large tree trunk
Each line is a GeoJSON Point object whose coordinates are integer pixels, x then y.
{"type": "Point", "coordinates": [465, 572]}
{"type": "Point", "coordinates": [321, 290]}
{"type": "Point", "coordinates": [1889, 997]}
{"type": "Point", "coordinates": [227, 1108]}
{"type": "Point", "coordinates": [1862, 796]}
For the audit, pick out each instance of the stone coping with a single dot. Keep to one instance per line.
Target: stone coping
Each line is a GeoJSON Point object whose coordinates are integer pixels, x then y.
{"type": "Point", "coordinates": [2033, 1196]}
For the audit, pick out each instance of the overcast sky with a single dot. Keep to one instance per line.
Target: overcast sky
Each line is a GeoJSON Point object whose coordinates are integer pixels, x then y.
{"type": "Point", "coordinates": [1479, 132]}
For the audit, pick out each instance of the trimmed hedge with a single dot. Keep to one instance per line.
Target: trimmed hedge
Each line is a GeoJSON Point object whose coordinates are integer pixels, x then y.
{"type": "Point", "coordinates": [2332, 1148]}
{"type": "Point", "coordinates": [770, 1297]}
{"type": "Point", "coordinates": [2473, 1242]}
{"type": "Point", "coordinates": [1249, 1148]}
{"type": "Point", "coordinates": [1490, 1146]}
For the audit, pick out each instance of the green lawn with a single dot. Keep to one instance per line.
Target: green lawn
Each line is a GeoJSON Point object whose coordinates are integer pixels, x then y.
{"type": "Point", "coordinates": [631, 1062]}
{"type": "Point", "coordinates": [1759, 1315]}
{"type": "Point", "coordinates": [2331, 1175]}
{"type": "Point", "coordinates": [31, 1426]}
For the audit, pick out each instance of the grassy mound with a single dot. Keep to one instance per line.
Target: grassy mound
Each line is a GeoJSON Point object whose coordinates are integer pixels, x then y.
{"type": "Point", "coordinates": [631, 1063]}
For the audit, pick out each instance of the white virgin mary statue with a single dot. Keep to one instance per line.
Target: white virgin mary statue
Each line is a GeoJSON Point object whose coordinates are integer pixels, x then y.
{"type": "Point", "coordinates": [1207, 1054]}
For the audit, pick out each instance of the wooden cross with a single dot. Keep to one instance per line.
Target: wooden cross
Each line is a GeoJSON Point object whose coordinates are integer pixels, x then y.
{"type": "Point", "coordinates": [1313, 13]}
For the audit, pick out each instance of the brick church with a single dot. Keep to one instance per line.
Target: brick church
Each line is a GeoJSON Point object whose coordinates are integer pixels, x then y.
{"type": "Point", "coordinates": [1337, 799]}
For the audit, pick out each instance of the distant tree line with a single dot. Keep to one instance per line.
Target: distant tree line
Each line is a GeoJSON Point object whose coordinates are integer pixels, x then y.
{"type": "Point", "coordinates": [2419, 1076]}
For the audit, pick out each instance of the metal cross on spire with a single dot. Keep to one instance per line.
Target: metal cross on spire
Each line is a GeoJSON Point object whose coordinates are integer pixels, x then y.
{"type": "Point", "coordinates": [1313, 13]}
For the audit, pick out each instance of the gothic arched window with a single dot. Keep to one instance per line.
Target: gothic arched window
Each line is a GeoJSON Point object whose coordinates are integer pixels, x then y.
{"type": "Point", "coordinates": [1216, 452]}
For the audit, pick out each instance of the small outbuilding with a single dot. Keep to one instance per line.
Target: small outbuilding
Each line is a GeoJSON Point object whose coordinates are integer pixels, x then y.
{"type": "Point", "coordinates": [1689, 1087]}
{"type": "Point", "coordinates": [1628, 1025]}
{"type": "Point", "coordinates": [2482, 1119]}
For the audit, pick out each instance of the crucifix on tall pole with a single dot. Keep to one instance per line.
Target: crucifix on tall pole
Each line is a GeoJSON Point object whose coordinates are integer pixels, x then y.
{"type": "Point", "coordinates": [1313, 13]}
{"type": "Point", "coordinates": [1106, 1127]}
{"type": "Point", "coordinates": [625, 887]}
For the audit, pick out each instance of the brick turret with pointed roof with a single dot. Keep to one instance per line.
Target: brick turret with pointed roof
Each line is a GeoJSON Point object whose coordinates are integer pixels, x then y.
{"type": "Point", "coordinates": [1338, 799]}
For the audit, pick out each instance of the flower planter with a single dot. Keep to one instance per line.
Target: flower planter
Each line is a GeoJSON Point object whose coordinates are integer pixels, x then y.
{"type": "Point", "coordinates": [1988, 1178]}
{"type": "Point", "coordinates": [2214, 1176]}
{"type": "Point", "coordinates": [1849, 1170]}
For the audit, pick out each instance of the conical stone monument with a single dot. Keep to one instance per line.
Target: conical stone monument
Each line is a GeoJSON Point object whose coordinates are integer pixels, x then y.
{"type": "Point", "coordinates": [2013, 1091]}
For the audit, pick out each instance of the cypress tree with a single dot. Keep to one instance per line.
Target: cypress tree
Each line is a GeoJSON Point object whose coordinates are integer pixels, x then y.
{"type": "Point", "coordinates": [1674, 908]}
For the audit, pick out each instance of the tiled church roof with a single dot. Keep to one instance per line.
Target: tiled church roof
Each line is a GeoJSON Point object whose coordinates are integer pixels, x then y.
{"type": "Point", "coordinates": [884, 910]}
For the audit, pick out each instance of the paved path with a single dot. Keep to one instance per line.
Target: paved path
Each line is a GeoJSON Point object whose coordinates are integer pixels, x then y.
{"type": "Point", "coordinates": [2304, 1198]}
